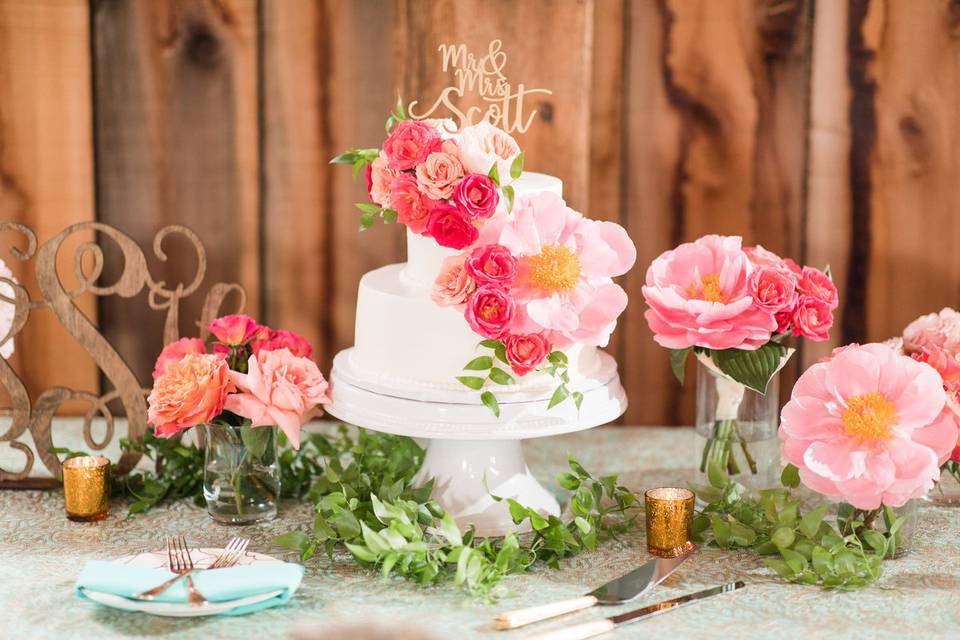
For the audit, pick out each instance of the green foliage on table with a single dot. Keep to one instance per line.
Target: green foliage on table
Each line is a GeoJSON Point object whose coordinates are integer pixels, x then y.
{"type": "Point", "coordinates": [800, 547]}
{"type": "Point", "coordinates": [366, 503]}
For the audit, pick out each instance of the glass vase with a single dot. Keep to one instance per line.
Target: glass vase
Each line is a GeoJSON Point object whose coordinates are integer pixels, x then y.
{"type": "Point", "coordinates": [859, 521]}
{"type": "Point", "coordinates": [737, 428]}
{"type": "Point", "coordinates": [241, 474]}
{"type": "Point", "coordinates": [947, 491]}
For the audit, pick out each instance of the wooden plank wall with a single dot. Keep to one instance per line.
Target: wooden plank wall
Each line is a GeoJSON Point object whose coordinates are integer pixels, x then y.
{"type": "Point", "coordinates": [822, 129]}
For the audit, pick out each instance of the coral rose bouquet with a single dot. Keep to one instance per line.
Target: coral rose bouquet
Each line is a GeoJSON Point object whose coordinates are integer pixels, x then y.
{"type": "Point", "coordinates": [250, 380]}
{"type": "Point", "coordinates": [733, 307]}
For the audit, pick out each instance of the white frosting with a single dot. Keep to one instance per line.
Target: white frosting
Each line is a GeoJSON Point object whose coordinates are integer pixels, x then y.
{"type": "Point", "coordinates": [424, 255]}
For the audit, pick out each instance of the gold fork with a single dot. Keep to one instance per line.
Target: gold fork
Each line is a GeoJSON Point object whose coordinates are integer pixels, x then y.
{"type": "Point", "coordinates": [181, 563]}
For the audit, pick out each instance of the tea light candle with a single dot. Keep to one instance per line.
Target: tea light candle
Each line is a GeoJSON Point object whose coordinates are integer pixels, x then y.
{"type": "Point", "coordinates": [85, 488]}
{"type": "Point", "coordinates": [669, 513]}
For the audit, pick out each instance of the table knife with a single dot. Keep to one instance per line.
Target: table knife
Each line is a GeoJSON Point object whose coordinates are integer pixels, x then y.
{"type": "Point", "coordinates": [603, 625]}
{"type": "Point", "coordinates": [623, 589]}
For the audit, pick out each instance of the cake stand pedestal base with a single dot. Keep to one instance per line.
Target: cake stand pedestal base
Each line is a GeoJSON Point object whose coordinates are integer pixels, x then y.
{"type": "Point", "coordinates": [464, 470]}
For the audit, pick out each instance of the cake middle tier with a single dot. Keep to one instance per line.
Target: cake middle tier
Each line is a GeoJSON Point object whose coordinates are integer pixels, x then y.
{"type": "Point", "coordinates": [404, 337]}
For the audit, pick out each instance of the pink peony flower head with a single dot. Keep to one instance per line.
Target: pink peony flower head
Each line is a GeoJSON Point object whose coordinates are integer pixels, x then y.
{"type": "Point", "coordinates": [450, 228]}
{"type": "Point", "coordinates": [941, 330]}
{"type": "Point", "coordinates": [489, 311]}
{"type": "Point", "coordinates": [191, 391]}
{"type": "Point", "coordinates": [175, 351]}
{"type": "Point", "coordinates": [412, 207]}
{"type": "Point", "coordinates": [476, 196]}
{"type": "Point", "coordinates": [281, 339]}
{"type": "Point", "coordinates": [563, 287]}
{"type": "Point", "coordinates": [454, 285]}
{"type": "Point", "coordinates": [865, 427]}
{"type": "Point", "coordinates": [236, 330]}
{"type": "Point", "coordinates": [492, 264]}
{"type": "Point", "coordinates": [482, 145]}
{"type": "Point", "coordinates": [280, 389]}
{"type": "Point", "coordinates": [409, 144]}
{"type": "Point", "coordinates": [525, 352]}
{"type": "Point", "coordinates": [699, 295]}
{"type": "Point", "coordinates": [441, 172]}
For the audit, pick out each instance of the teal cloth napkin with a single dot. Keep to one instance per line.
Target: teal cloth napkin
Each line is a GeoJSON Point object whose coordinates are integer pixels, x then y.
{"type": "Point", "coordinates": [218, 585]}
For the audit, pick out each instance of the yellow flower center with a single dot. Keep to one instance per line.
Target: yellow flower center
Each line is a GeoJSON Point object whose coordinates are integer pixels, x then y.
{"type": "Point", "coordinates": [556, 268]}
{"type": "Point", "coordinates": [708, 289]}
{"type": "Point", "coordinates": [868, 418]}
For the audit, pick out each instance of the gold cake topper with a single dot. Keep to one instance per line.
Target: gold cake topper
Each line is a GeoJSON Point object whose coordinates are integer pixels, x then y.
{"type": "Point", "coordinates": [484, 76]}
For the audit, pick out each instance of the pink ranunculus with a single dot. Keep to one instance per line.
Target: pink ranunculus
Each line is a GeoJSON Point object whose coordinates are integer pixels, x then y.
{"type": "Point", "coordinates": [379, 178]}
{"type": "Point", "coordinates": [817, 284]}
{"type": "Point", "coordinates": [772, 288]}
{"type": "Point", "coordinates": [441, 172]}
{"type": "Point", "coordinates": [175, 351]}
{"type": "Point", "coordinates": [282, 339]}
{"type": "Point", "coordinates": [525, 352]}
{"type": "Point", "coordinates": [235, 330]}
{"type": "Point", "coordinates": [865, 428]}
{"type": "Point", "coordinates": [190, 391]}
{"type": "Point", "coordinates": [412, 207]}
{"type": "Point", "coordinates": [564, 287]}
{"type": "Point", "coordinates": [812, 318]}
{"type": "Point", "coordinates": [489, 311]}
{"type": "Point", "coordinates": [454, 285]}
{"type": "Point", "coordinates": [280, 389]}
{"type": "Point", "coordinates": [941, 330]}
{"type": "Point", "coordinates": [409, 144]}
{"type": "Point", "coordinates": [450, 228]}
{"type": "Point", "coordinates": [476, 196]}
{"type": "Point", "coordinates": [492, 264]}
{"type": "Point", "coordinates": [482, 145]}
{"type": "Point", "coordinates": [699, 295]}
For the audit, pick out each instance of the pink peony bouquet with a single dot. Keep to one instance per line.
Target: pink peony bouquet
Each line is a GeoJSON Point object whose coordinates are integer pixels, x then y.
{"type": "Point", "coordinates": [532, 277]}
{"type": "Point", "coordinates": [252, 376]}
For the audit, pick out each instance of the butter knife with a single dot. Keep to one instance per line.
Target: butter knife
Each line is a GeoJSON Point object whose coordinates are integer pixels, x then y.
{"type": "Point", "coordinates": [623, 589]}
{"type": "Point", "coordinates": [604, 625]}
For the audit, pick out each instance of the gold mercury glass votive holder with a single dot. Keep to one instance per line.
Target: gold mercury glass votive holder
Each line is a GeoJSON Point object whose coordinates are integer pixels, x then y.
{"type": "Point", "coordinates": [85, 488]}
{"type": "Point", "coordinates": [669, 513]}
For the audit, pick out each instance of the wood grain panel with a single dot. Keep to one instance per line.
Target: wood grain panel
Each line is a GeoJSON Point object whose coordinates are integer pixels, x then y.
{"type": "Point", "coordinates": [906, 134]}
{"type": "Point", "coordinates": [717, 145]}
{"type": "Point", "coordinates": [177, 142]}
{"type": "Point", "coordinates": [46, 168]}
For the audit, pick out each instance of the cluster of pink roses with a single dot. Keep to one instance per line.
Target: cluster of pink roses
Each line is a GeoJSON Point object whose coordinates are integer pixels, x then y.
{"type": "Point", "coordinates": [715, 294]}
{"type": "Point", "coordinates": [437, 185]}
{"type": "Point", "coordinates": [539, 280]}
{"type": "Point", "coordinates": [253, 372]}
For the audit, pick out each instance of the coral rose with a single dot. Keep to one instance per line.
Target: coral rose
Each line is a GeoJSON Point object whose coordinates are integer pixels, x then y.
{"type": "Point", "coordinates": [280, 389]}
{"type": "Point", "coordinates": [440, 173]}
{"type": "Point", "coordinates": [454, 285]}
{"type": "Point", "coordinates": [772, 288]}
{"type": "Point", "coordinates": [409, 144]}
{"type": "Point", "coordinates": [236, 330]}
{"type": "Point", "coordinates": [489, 311]}
{"type": "Point", "coordinates": [379, 178]}
{"type": "Point", "coordinates": [941, 330]}
{"type": "Point", "coordinates": [812, 318]}
{"type": "Point", "coordinates": [482, 145]}
{"type": "Point", "coordinates": [190, 391]}
{"type": "Point", "coordinates": [492, 264]}
{"type": "Point", "coordinates": [281, 339]}
{"type": "Point", "coordinates": [817, 284]}
{"type": "Point", "coordinates": [450, 228]}
{"type": "Point", "coordinates": [175, 351]}
{"type": "Point", "coordinates": [699, 296]}
{"type": "Point", "coordinates": [866, 428]}
{"type": "Point", "coordinates": [476, 196]}
{"type": "Point", "coordinates": [412, 207]}
{"type": "Point", "coordinates": [525, 352]}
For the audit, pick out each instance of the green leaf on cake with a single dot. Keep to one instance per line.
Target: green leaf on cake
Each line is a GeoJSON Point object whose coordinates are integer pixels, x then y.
{"type": "Point", "coordinates": [473, 382]}
{"type": "Point", "coordinates": [366, 221]}
{"type": "Point", "coordinates": [494, 174]}
{"type": "Point", "coordinates": [490, 401]}
{"type": "Point", "coordinates": [557, 357]}
{"type": "Point", "coordinates": [678, 362]}
{"type": "Point", "coordinates": [577, 399]}
{"type": "Point", "coordinates": [490, 343]}
{"type": "Point", "coordinates": [367, 207]}
{"type": "Point", "coordinates": [481, 363]}
{"type": "Point", "coordinates": [501, 352]}
{"type": "Point", "coordinates": [389, 216]}
{"type": "Point", "coordinates": [517, 167]}
{"type": "Point", "coordinates": [400, 112]}
{"type": "Point", "coordinates": [752, 368]}
{"type": "Point", "coordinates": [558, 396]}
{"type": "Point", "coordinates": [501, 377]}
{"type": "Point", "coordinates": [508, 194]}
{"type": "Point", "coordinates": [354, 156]}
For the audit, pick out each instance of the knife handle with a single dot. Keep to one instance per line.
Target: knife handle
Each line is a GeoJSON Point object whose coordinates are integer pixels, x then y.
{"type": "Point", "coordinates": [521, 617]}
{"type": "Point", "coordinates": [577, 631]}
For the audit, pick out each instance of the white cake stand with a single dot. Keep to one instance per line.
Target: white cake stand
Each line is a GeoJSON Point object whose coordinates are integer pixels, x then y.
{"type": "Point", "coordinates": [467, 443]}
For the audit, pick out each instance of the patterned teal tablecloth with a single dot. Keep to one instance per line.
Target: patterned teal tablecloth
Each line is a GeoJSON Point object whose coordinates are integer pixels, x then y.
{"type": "Point", "coordinates": [41, 553]}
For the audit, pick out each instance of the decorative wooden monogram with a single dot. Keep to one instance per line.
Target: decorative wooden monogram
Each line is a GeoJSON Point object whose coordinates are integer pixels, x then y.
{"type": "Point", "coordinates": [485, 77]}
{"type": "Point", "coordinates": [25, 415]}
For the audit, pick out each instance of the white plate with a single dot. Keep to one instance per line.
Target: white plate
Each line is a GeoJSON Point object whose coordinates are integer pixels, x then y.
{"type": "Point", "coordinates": [202, 557]}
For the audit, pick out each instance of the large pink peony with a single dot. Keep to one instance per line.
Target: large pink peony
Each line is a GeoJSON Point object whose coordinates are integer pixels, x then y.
{"type": "Point", "coordinates": [191, 391]}
{"type": "Point", "coordinates": [699, 295]}
{"type": "Point", "coordinates": [865, 427]}
{"type": "Point", "coordinates": [563, 285]}
{"type": "Point", "coordinates": [175, 351]}
{"type": "Point", "coordinates": [280, 389]}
